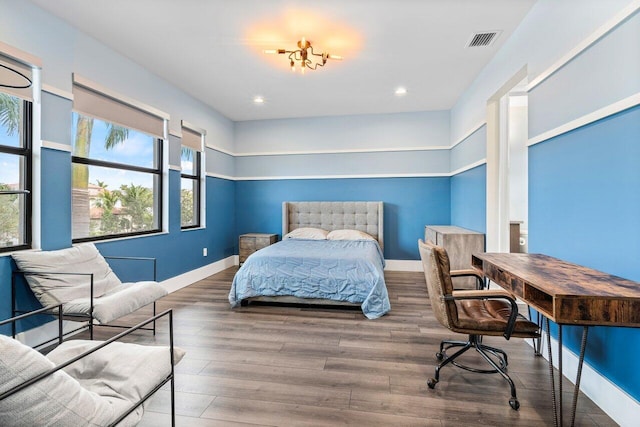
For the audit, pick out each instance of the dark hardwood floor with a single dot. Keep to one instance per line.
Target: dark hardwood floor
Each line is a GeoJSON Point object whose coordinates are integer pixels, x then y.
{"type": "Point", "coordinates": [288, 366]}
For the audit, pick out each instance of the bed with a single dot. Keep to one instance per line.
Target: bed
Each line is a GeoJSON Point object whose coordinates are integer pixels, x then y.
{"type": "Point", "coordinates": [316, 270]}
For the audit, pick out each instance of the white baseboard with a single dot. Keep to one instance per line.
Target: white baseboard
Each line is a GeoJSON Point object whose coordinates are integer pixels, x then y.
{"type": "Point", "coordinates": [402, 265]}
{"type": "Point", "coordinates": [178, 282]}
{"type": "Point", "coordinates": [617, 404]}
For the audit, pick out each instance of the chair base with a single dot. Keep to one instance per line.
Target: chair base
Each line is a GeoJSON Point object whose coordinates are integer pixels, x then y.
{"type": "Point", "coordinates": [489, 353]}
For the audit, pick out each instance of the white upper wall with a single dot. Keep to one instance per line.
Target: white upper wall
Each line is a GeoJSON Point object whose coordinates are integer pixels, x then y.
{"type": "Point", "coordinates": [340, 133]}
{"type": "Point", "coordinates": [604, 74]}
{"type": "Point", "coordinates": [402, 144]}
{"type": "Point", "coordinates": [550, 30]}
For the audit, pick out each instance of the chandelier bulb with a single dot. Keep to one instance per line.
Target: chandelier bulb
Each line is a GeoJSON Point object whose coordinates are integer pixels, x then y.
{"type": "Point", "coordinates": [305, 55]}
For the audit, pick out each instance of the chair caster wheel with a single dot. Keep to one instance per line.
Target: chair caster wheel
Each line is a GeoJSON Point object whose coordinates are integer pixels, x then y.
{"type": "Point", "coordinates": [439, 356]}
{"type": "Point", "coordinates": [432, 383]}
{"type": "Point", "coordinates": [513, 402]}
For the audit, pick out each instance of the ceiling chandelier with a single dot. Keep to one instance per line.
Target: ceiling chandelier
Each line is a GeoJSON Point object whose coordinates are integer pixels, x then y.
{"type": "Point", "coordinates": [304, 56]}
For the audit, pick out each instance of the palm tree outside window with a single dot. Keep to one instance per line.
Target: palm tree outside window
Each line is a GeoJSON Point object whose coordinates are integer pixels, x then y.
{"type": "Point", "coordinates": [116, 180]}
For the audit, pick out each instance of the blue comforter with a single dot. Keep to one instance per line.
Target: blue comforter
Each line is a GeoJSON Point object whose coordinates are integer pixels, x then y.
{"type": "Point", "coordinates": [344, 270]}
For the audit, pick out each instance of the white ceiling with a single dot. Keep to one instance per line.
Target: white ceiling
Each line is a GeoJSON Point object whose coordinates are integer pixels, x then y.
{"type": "Point", "coordinates": [213, 49]}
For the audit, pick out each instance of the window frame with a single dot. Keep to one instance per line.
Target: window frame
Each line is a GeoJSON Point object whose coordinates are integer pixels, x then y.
{"type": "Point", "coordinates": [158, 173]}
{"type": "Point", "coordinates": [197, 178]}
{"type": "Point", "coordinates": [26, 151]}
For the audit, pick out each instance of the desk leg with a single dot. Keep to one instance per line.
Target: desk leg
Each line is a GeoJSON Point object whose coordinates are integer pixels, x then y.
{"type": "Point", "coordinates": [560, 375]}
{"type": "Point", "coordinates": [558, 417]}
{"type": "Point", "coordinates": [537, 342]}
{"type": "Point", "coordinates": [576, 389]}
{"type": "Point", "coordinates": [551, 375]}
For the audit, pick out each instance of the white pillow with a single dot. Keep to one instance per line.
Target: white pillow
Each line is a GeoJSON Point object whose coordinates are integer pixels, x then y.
{"type": "Point", "coordinates": [349, 235]}
{"type": "Point", "coordinates": [307, 233]}
{"type": "Point", "coordinates": [56, 288]}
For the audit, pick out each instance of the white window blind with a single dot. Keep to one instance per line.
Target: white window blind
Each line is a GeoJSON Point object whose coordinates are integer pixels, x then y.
{"type": "Point", "coordinates": [90, 101]}
{"type": "Point", "coordinates": [191, 138]}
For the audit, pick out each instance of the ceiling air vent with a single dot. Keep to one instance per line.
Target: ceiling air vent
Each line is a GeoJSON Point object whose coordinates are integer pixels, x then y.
{"type": "Point", "coordinates": [485, 38]}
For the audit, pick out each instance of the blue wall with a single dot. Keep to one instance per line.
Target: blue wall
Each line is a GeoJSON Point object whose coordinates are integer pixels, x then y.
{"type": "Point", "coordinates": [176, 252]}
{"type": "Point", "coordinates": [55, 199]}
{"type": "Point", "coordinates": [584, 207]}
{"type": "Point", "coordinates": [469, 199]}
{"type": "Point", "coordinates": [410, 204]}
{"type": "Point", "coordinates": [181, 251]}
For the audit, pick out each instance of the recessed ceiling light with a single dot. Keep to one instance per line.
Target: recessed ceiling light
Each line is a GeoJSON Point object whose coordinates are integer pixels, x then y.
{"type": "Point", "coordinates": [258, 100]}
{"type": "Point", "coordinates": [401, 91]}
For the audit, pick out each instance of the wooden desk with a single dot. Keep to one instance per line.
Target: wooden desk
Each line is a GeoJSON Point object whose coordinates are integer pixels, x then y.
{"type": "Point", "coordinates": [567, 294]}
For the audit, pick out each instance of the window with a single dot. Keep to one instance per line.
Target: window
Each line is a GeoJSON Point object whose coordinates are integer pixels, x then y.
{"type": "Point", "coordinates": [15, 157]}
{"type": "Point", "coordinates": [190, 188]}
{"type": "Point", "coordinates": [190, 178]}
{"type": "Point", "coordinates": [116, 169]}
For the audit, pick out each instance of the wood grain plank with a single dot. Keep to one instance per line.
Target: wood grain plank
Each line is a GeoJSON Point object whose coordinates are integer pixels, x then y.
{"type": "Point", "coordinates": [283, 366]}
{"type": "Point", "coordinates": [282, 414]}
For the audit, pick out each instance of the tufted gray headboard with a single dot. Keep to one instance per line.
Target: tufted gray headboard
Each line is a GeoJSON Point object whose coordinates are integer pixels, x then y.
{"type": "Point", "coordinates": [363, 216]}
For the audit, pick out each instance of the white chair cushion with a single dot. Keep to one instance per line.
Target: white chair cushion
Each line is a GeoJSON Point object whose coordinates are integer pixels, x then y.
{"type": "Point", "coordinates": [56, 400]}
{"type": "Point", "coordinates": [57, 288]}
{"type": "Point", "coordinates": [119, 301]}
{"type": "Point", "coordinates": [93, 391]}
{"type": "Point", "coordinates": [122, 370]}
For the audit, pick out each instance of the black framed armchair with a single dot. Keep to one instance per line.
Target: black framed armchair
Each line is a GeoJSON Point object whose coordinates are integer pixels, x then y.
{"type": "Point", "coordinates": [82, 281]}
{"type": "Point", "coordinates": [83, 382]}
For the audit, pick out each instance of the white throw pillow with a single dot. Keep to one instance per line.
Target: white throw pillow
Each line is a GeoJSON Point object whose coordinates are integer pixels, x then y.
{"type": "Point", "coordinates": [307, 233]}
{"type": "Point", "coordinates": [349, 235]}
{"type": "Point", "coordinates": [53, 289]}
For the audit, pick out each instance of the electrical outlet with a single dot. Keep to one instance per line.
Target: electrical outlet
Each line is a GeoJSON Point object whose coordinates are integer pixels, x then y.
{"type": "Point", "coordinates": [204, 251]}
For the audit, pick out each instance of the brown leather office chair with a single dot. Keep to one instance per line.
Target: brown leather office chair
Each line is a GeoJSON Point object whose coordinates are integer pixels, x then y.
{"type": "Point", "coordinates": [473, 312]}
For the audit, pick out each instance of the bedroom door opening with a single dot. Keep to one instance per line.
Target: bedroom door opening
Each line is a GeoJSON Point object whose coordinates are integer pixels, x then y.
{"type": "Point", "coordinates": [507, 186]}
{"type": "Point", "coordinates": [518, 164]}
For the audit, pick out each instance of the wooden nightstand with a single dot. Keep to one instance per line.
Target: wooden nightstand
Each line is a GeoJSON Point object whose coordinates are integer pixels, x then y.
{"type": "Point", "coordinates": [251, 242]}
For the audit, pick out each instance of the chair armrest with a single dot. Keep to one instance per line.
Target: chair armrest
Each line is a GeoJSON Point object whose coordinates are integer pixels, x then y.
{"type": "Point", "coordinates": [135, 258]}
{"type": "Point", "coordinates": [490, 294]}
{"type": "Point", "coordinates": [33, 273]}
{"type": "Point", "coordinates": [469, 273]}
{"type": "Point", "coordinates": [45, 310]}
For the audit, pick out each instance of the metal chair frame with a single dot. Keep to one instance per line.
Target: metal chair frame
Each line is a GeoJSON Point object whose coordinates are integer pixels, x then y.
{"type": "Point", "coordinates": [475, 342]}
{"type": "Point", "coordinates": [170, 378]}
